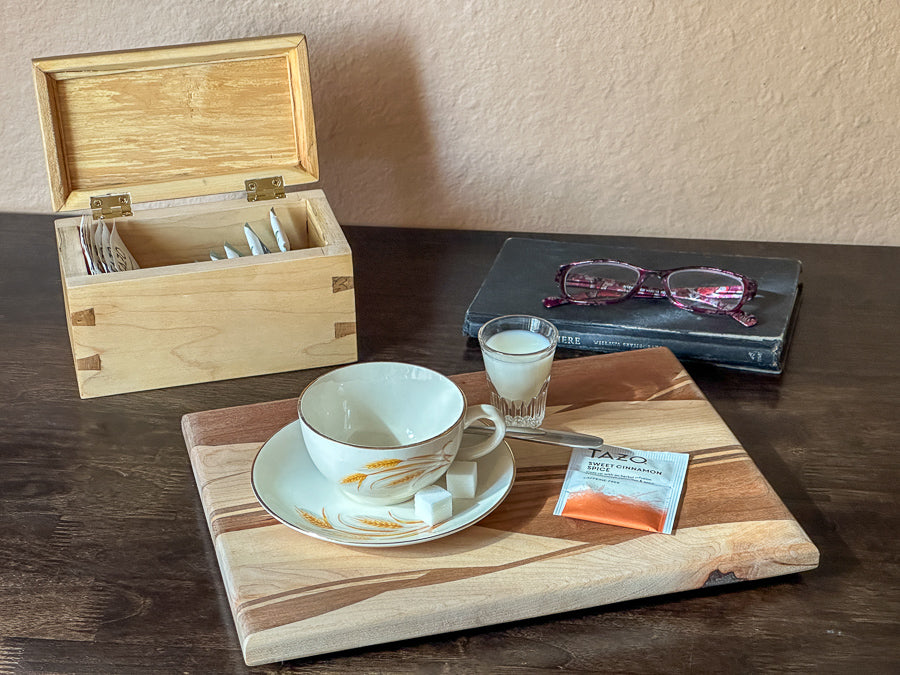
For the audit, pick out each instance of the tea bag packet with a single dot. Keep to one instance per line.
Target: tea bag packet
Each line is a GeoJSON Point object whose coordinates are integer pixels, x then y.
{"type": "Point", "coordinates": [97, 237]}
{"type": "Point", "coordinates": [257, 247]}
{"type": "Point", "coordinates": [94, 241]}
{"type": "Point", "coordinates": [104, 255]}
{"type": "Point", "coordinates": [231, 251]}
{"type": "Point", "coordinates": [85, 250]}
{"type": "Point", "coordinates": [280, 238]}
{"type": "Point", "coordinates": [640, 489]}
{"type": "Point", "coordinates": [107, 251]}
{"type": "Point", "coordinates": [87, 246]}
{"type": "Point", "coordinates": [122, 257]}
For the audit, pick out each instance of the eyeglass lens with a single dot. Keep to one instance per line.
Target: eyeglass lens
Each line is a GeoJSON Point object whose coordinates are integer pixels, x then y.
{"type": "Point", "coordinates": [606, 282]}
{"type": "Point", "coordinates": [706, 290]}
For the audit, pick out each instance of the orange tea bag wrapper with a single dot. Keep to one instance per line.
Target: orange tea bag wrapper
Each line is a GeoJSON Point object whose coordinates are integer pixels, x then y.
{"type": "Point", "coordinates": [640, 489]}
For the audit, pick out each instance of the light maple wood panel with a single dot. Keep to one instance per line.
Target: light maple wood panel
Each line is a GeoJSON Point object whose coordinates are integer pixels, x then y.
{"type": "Point", "coordinates": [178, 121]}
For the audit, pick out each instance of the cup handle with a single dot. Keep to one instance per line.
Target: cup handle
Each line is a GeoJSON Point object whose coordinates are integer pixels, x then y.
{"type": "Point", "coordinates": [483, 412]}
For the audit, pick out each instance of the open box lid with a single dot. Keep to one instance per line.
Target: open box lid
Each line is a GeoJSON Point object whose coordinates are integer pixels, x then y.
{"type": "Point", "coordinates": [174, 122]}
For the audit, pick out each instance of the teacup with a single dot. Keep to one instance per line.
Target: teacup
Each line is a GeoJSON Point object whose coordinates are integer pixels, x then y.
{"type": "Point", "coordinates": [382, 431]}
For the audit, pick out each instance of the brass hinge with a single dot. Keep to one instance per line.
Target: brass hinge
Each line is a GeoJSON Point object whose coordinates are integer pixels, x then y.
{"type": "Point", "coordinates": [111, 206]}
{"type": "Point", "coordinates": [259, 189]}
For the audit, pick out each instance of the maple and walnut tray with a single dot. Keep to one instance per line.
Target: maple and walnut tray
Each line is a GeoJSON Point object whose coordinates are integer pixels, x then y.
{"type": "Point", "coordinates": [292, 595]}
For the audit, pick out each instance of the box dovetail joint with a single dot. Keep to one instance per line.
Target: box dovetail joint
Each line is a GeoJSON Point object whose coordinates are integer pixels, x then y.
{"type": "Point", "coordinates": [88, 363]}
{"type": "Point", "coordinates": [344, 328]}
{"type": "Point", "coordinates": [339, 284]}
{"type": "Point", "coordinates": [84, 317]}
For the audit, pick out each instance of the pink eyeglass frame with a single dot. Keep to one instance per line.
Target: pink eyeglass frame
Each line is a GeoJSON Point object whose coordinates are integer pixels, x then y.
{"type": "Point", "coordinates": [638, 291]}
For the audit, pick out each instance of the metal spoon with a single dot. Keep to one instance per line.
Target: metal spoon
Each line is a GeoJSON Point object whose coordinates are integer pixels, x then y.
{"type": "Point", "coordinates": [572, 439]}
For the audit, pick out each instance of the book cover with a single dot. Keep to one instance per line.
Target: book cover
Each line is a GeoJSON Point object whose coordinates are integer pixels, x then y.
{"type": "Point", "coordinates": [523, 275]}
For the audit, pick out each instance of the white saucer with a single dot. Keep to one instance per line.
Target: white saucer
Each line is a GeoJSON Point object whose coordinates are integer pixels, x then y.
{"type": "Point", "coordinates": [290, 487]}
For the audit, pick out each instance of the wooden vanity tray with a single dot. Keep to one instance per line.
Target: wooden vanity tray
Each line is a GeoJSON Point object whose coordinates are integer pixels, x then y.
{"type": "Point", "coordinates": [292, 595]}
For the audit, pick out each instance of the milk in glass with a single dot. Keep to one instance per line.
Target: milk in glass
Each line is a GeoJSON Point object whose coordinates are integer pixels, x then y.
{"type": "Point", "coordinates": [521, 369]}
{"type": "Point", "coordinates": [518, 352]}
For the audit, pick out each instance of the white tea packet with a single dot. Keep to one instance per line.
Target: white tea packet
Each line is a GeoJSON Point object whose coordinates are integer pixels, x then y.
{"type": "Point", "coordinates": [640, 489]}
{"type": "Point", "coordinates": [257, 247]}
{"type": "Point", "coordinates": [280, 238]}
{"type": "Point", "coordinates": [97, 239]}
{"type": "Point", "coordinates": [107, 252]}
{"type": "Point", "coordinates": [231, 251]}
{"type": "Point", "coordinates": [122, 257]}
{"type": "Point", "coordinates": [87, 246]}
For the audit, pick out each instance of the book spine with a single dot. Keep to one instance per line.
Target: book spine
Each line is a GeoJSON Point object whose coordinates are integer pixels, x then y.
{"type": "Point", "coordinates": [764, 357]}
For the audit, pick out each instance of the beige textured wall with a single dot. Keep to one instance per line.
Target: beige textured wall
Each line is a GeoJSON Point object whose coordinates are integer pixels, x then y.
{"type": "Point", "coordinates": [765, 120]}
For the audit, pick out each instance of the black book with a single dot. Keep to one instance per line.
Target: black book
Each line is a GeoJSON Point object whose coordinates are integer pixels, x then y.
{"type": "Point", "coordinates": [523, 275]}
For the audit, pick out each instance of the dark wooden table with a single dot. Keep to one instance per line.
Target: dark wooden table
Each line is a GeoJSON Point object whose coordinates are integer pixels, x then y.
{"type": "Point", "coordinates": [106, 563]}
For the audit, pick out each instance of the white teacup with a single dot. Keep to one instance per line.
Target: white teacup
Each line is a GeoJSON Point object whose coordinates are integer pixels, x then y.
{"type": "Point", "coordinates": [382, 431]}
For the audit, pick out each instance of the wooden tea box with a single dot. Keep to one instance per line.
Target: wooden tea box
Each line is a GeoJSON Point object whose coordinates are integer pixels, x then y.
{"type": "Point", "coordinates": [155, 125]}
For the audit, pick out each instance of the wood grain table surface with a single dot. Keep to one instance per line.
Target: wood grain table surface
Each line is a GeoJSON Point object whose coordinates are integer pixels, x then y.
{"type": "Point", "coordinates": [106, 564]}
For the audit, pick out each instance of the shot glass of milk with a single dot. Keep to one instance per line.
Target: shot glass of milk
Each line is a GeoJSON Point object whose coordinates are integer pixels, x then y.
{"type": "Point", "coordinates": [518, 352]}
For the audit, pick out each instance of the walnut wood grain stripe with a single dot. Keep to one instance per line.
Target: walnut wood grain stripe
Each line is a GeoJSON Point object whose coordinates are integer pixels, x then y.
{"type": "Point", "coordinates": [717, 450]}
{"type": "Point", "coordinates": [719, 454]}
{"type": "Point", "coordinates": [313, 589]}
{"type": "Point", "coordinates": [241, 521]}
{"type": "Point", "coordinates": [252, 423]}
{"type": "Point", "coordinates": [536, 472]}
{"type": "Point", "coordinates": [248, 506]}
{"type": "Point", "coordinates": [260, 614]}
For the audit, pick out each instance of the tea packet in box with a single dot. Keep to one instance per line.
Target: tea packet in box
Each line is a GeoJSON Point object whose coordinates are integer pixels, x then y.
{"type": "Point", "coordinates": [106, 247]}
{"type": "Point", "coordinates": [640, 489]}
{"type": "Point", "coordinates": [88, 250]}
{"type": "Point", "coordinates": [122, 257]}
{"type": "Point", "coordinates": [97, 237]}
{"type": "Point", "coordinates": [283, 243]}
{"type": "Point", "coordinates": [257, 247]}
{"type": "Point", "coordinates": [231, 252]}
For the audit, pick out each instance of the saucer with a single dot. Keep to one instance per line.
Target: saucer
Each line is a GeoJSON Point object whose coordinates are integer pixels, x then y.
{"type": "Point", "coordinates": [289, 486]}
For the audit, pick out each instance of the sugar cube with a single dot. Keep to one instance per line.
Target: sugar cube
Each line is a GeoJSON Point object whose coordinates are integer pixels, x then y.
{"type": "Point", "coordinates": [433, 505]}
{"type": "Point", "coordinates": [462, 477]}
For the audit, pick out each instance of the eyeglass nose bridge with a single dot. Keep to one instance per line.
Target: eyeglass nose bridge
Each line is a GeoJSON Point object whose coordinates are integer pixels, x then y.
{"type": "Point", "coordinates": [643, 291]}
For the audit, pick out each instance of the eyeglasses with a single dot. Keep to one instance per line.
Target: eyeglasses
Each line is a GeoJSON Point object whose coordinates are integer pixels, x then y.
{"type": "Point", "coordinates": [704, 290]}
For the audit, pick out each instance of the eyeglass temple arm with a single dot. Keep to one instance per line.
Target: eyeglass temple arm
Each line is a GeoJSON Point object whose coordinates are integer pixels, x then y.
{"type": "Point", "coordinates": [555, 302]}
{"type": "Point", "coordinates": [743, 318]}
